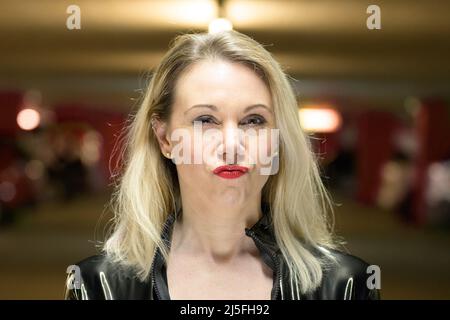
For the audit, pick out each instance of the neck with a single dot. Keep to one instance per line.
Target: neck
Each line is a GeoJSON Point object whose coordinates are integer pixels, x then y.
{"type": "Point", "coordinates": [213, 231]}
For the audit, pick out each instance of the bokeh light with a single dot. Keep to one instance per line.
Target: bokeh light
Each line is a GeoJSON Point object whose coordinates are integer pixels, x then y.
{"type": "Point", "coordinates": [320, 119]}
{"type": "Point", "coordinates": [219, 25]}
{"type": "Point", "coordinates": [28, 119]}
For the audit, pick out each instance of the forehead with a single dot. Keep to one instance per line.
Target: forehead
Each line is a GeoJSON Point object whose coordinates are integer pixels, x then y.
{"type": "Point", "coordinates": [221, 83]}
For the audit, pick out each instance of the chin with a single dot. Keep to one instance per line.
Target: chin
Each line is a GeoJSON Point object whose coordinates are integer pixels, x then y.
{"type": "Point", "coordinates": [231, 196]}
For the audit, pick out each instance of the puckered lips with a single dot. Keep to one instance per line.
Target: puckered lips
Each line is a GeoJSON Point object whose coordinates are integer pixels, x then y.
{"type": "Point", "coordinates": [230, 171]}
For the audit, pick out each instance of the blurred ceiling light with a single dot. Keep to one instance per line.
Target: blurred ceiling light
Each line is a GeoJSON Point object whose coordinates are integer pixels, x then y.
{"type": "Point", "coordinates": [192, 12]}
{"type": "Point", "coordinates": [247, 13]}
{"type": "Point", "coordinates": [320, 119]}
{"type": "Point", "coordinates": [219, 25]}
{"type": "Point", "coordinates": [28, 119]}
{"type": "Point", "coordinates": [148, 14]}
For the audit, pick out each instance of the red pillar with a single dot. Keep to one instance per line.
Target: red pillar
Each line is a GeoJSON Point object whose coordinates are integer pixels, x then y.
{"type": "Point", "coordinates": [374, 148]}
{"type": "Point", "coordinates": [10, 103]}
{"type": "Point", "coordinates": [433, 135]}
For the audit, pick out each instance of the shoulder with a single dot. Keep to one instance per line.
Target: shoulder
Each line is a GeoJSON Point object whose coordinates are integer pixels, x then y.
{"type": "Point", "coordinates": [94, 266]}
{"type": "Point", "coordinates": [98, 277]}
{"type": "Point", "coordinates": [348, 277]}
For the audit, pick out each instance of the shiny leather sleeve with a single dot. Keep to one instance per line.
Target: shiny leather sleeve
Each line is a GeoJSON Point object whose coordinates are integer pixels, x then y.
{"type": "Point", "coordinates": [104, 280]}
{"type": "Point", "coordinates": [348, 280]}
{"type": "Point", "coordinates": [360, 286]}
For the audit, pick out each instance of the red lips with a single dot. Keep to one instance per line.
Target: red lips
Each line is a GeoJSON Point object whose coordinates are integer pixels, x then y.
{"type": "Point", "coordinates": [230, 171]}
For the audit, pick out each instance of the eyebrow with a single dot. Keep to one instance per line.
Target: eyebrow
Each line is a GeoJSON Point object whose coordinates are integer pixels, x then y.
{"type": "Point", "coordinates": [214, 108]}
{"type": "Point", "coordinates": [209, 106]}
{"type": "Point", "coordinates": [258, 105]}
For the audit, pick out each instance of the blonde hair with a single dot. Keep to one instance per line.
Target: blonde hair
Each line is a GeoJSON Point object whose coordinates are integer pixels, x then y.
{"type": "Point", "coordinates": [147, 190]}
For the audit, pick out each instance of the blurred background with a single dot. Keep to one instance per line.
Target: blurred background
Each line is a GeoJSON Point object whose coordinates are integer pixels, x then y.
{"type": "Point", "coordinates": [376, 103]}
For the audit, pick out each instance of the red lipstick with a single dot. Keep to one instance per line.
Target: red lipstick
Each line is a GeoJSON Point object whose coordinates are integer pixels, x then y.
{"type": "Point", "coordinates": [230, 171]}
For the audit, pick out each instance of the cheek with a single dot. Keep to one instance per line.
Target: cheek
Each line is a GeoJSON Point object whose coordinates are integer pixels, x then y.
{"type": "Point", "coordinates": [184, 146]}
{"type": "Point", "coordinates": [196, 147]}
{"type": "Point", "coordinates": [191, 174]}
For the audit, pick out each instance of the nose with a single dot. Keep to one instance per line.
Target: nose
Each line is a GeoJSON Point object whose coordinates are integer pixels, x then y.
{"type": "Point", "coordinates": [232, 149]}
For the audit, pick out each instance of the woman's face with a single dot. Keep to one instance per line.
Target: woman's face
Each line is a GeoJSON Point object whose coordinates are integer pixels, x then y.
{"type": "Point", "coordinates": [218, 118]}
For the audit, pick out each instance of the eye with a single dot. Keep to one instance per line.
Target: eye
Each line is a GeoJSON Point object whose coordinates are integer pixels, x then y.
{"type": "Point", "coordinates": [205, 120]}
{"type": "Point", "coordinates": [253, 120]}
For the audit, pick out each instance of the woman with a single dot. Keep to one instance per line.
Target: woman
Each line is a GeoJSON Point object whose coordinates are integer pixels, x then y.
{"type": "Point", "coordinates": [206, 216]}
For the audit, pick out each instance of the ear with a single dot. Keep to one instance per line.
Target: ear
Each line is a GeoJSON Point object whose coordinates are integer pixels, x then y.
{"type": "Point", "coordinates": [160, 129]}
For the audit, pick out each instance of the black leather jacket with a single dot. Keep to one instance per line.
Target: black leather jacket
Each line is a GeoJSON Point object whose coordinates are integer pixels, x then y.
{"type": "Point", "coordinates": [101, 279]}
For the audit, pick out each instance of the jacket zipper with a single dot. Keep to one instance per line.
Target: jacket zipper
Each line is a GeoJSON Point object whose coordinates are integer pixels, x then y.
{"type": "Point", "coordinates": [164, 233]}
{"type": "Point", "coordinates": [262, 248]}
{"type": "Point", "coordinates": [155, 287]}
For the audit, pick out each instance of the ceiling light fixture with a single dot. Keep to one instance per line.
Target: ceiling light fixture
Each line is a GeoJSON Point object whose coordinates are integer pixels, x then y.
{"type": "Point", "coordinates": [220, 23]}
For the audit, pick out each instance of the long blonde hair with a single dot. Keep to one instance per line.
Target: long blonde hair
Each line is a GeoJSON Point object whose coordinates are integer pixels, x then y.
{"type": "Point", "coordinates": [147, 190]}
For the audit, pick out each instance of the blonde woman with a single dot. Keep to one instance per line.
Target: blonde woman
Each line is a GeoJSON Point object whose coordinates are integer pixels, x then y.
{"type": "Point", "coordinates": [205, 216]}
